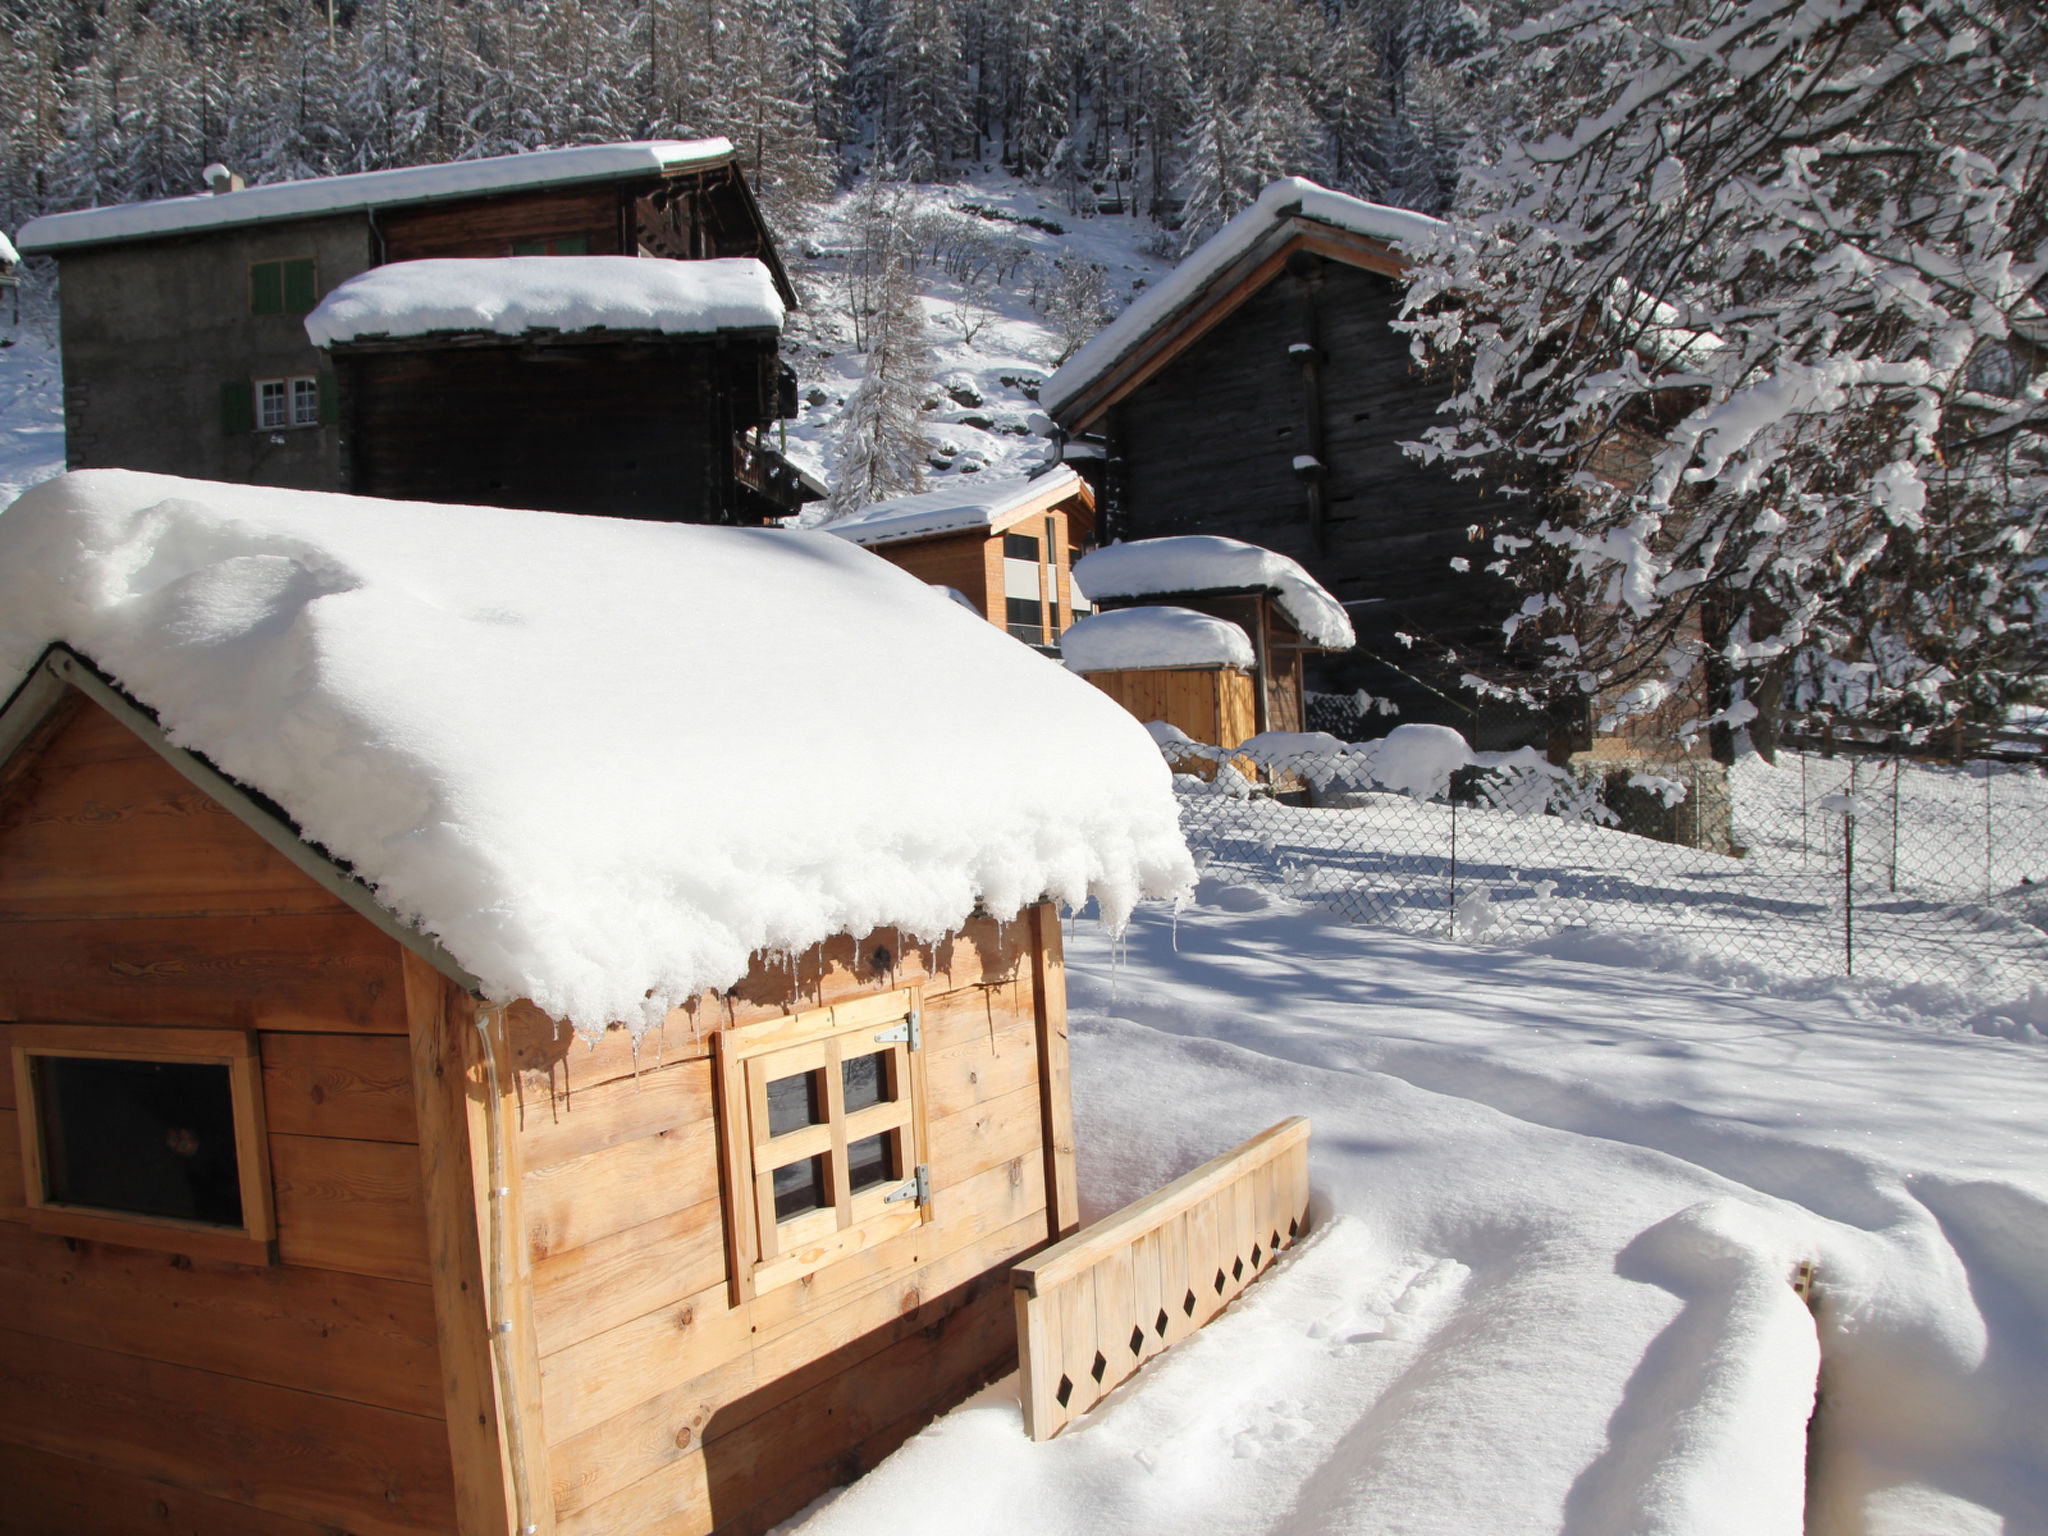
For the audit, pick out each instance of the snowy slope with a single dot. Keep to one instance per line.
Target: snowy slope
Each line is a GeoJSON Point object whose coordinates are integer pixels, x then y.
{"type": "Point", "coordinates": [31, 396]}
{"type": "Point", "coordinates": [1559, 1207]}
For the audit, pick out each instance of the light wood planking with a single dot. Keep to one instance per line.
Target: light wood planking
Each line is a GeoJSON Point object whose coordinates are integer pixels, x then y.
{"type": "Point", "coordinates": [357, 1087]}
{"type": "Point", "coordinates": [355, 1206]}
{"type": "Point", "coordinates": [625, 1109]}
{"type": "Point", "coordinates": [609, 1282]}
{"type": "Point", "coordinates": [569, 1204]}
{"type": "Point", "coordinates": [1055, 1078]}
{"type": "Point", "coordinates": [369, 1470]}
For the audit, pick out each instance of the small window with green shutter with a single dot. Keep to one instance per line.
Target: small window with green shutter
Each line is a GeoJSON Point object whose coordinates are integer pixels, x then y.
{"type": "Point", "coordinates": [237, 407]}
{"type": "Point", "coordinates": [299, 297]}
{"type": "Point", "coordinates": [573, 245]}
{"type": "Point", "coordinates": [266, 288]}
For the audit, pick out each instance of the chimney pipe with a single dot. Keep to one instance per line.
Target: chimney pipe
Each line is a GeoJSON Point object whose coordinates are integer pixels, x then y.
{"type": "Point", "coordinates": [220, 179]}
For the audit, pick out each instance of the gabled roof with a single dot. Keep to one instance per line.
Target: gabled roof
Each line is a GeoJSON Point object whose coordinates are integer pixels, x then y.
{"type": "Point", "coordinates": [989, 506]}
{"type": "Point", "coordinates": [600, 763]}
{"type": "Point", "coordinates": [57, 232]}
{"type": "Point", "coordinates": [518, 295]}
{"type": "Point", "coordinates": [1219, 275]}
{"type": "Point", "coordinates": [1198, 564]}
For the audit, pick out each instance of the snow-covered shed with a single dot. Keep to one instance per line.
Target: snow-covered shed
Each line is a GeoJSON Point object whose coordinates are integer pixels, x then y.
{"type": "Point", "coordinates": [1285, 613]}
{"type": "Point", "coordinates": [501, 1037]}
{"type": "Point", "coordinates": [1261, 392]}
{"type": "Point", "coordinates": [603, 384]}
{"type": "Point", "coordinates": [1171, 667]}
{"type": "Point", "coordinates": [1006, 545]}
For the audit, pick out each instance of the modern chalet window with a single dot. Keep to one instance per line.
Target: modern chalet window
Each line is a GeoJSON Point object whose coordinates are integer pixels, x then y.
{"type": "Point", "coordinates": [823, 1120]}
{"type": "Point", "coordinates": [282, 287]}
{"type": "Point", "coordinates": [273, 404]}
{"type": "Point", "coordinates": [149, 1137]}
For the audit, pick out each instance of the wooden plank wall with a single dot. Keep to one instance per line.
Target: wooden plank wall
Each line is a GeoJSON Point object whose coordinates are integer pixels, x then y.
{"type": "Point", "coordinates": [145, 1389]}
{"type": "Point", "coordinates": [489, 226]}
{"type": "Point", "coordinates": [666, 1407]}
{"type": "Point", "coordinates": [956, 560]}
{"type": "Point", "coordinates": [1207, 446]}
{"type": "Point", "coordinates": [615, 429]}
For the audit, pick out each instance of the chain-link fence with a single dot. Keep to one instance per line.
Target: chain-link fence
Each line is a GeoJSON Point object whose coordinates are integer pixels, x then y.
{"type": "Point", "coordinates": [1908, 871]}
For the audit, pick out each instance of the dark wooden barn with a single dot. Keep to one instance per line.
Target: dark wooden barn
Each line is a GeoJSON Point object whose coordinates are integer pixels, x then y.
{"type": "Point", "coordinates": [573, 384]}
{"type": "Point", "coordinates": [1260, 392]}
{"type": "Point", "coordinates": [184, 348]}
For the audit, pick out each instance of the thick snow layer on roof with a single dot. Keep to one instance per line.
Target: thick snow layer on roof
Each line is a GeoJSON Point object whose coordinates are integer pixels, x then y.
{"type": "Point", "coordinates": [958, 505]}
{"type": "Point", "coordinates": [1154, 637]}
{"type": "Point", "coordinates": [513, 295]}
{"type": "Point", "coordinates": [8, 254]}
{"type": "Point", "coordinates": [603, 761]}
{"type": "Point", "coordinates": [1283, 199]}
{"type": "Point", "coordinates": [370, 189]}
{"type": "Point", "coordinates": [1202, 562]}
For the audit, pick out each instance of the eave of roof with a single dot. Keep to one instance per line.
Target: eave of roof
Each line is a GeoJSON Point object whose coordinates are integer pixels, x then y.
{"type": "Point", "coordinates": [874, 528]}
{"type": "Point", "coordinates": [315, 197]}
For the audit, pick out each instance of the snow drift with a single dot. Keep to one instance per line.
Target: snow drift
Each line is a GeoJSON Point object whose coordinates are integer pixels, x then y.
{"type": "Point", "coordinates": [603, 762]}
{"type": "Point", "coordinates": [1154, 637]}
{"type": "Point", "coordinates": [1204, 562]}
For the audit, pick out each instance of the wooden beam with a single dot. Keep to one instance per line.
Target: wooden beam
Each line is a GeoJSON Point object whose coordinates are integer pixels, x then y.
{"type": "Point", "coordinates": [1055, 1076]}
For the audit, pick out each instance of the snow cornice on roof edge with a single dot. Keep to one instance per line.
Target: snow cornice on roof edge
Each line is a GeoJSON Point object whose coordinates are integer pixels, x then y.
{"type": "Point", "coordinates": [956, 508]}
{"type": "Point", "coordinates": [314, 197]}
{"type": "Point", "coordinates": [1252, 237]}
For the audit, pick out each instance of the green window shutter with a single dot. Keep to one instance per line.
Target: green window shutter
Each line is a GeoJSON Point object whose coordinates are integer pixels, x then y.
{"type": "Point", "coordinates": [298, 286]}
{"type": "Point", "coordinates": [237, 407]}
{"type": "Point", "coordinates": [330, 399]}
{"type": "Point", "coordinates": [529, 247]}
{"type": "Point", "coordinates": [573, 245]}
{"type": "Point", "coordinates": [266, 288]}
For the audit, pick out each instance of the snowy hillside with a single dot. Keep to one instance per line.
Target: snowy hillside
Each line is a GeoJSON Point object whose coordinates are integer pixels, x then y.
{"type": "Point", "coordinates": [31, 401]}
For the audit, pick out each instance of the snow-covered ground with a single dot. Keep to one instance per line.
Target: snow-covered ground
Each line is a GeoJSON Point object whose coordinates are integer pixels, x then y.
{"type": "Point", "coordinates": [985, 390]}
{"type": "Point", "coordinates": [1559, 1208]}
{"type": "Point", "coordinates": [31, 396]}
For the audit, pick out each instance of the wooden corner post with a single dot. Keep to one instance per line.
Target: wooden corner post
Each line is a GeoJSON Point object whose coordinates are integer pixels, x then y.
{"type": "Point", "coordinates": [1055, 1077]}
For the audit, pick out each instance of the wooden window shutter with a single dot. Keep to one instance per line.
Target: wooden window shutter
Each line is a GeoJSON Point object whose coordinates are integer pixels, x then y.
{"type": "Point", "coordinates": [237, 408]}
{"type": "Point", "coordinates": [298, 286]}
{"type": "Point", "coordinates": [266, 288]}
{"type": "Point", "coordinates": [330, 398]}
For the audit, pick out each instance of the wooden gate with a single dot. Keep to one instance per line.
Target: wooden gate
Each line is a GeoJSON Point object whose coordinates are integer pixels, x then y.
{"type": "Point", "coordinates": [1095, 1307]}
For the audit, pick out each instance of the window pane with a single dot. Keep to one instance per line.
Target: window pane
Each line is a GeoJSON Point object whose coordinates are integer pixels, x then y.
{"type": "Point", "coordinates": [266, 288]}
{"type": "Point", "coordinates": [270, 407]}
{"type": "Point", "coordinates": [573, 245]}
{"type": "Point", "coordinates": [305, 402]}
{"type": "Point", "coordinates": [529, 247]}
{"type": "Point", "coordinates": [799, 1187]}
{"type": "Point", "coordinates": [1020, 546]}
{"type": "Point", "coordinates": [795, 1102]}
{"type": "Point", "coordinates": [871, 1161]}
{"type": "Point", "coordinates": [866, 1079]}
{"type": "Point", "coordinates": [152, 1138]}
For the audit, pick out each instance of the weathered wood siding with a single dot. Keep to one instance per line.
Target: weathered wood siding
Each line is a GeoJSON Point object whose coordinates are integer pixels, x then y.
{"type": "Point", "coordinates": [669, 1408]}
{"type": "Point", "coordinates": [1208, 444]}
{"type": "Point", "coordinates": [625, 429]}
{"type": "Point", "coordinates": [957, 560]}
{"type": "Point", "coordinates": [491, 226]}
{"type": "Point", "coordinates": [1211, 704]}
{"type": "Point", "coordinates": [140, 1387]}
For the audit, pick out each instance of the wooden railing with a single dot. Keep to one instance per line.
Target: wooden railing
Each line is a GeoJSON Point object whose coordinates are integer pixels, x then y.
{"type": "Point", "coordinates": [1093, 1308]}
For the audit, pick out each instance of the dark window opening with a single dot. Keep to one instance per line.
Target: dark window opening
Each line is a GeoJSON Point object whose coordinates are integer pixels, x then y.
{"type": "Point", "coordinates": [800, 1187]}
{"type": "Point", "coordinates": [1026, 616]}
{"type": "Point", "coordinates": [559, 245]}
{"type": "Point", "coordinates": [793, 1103]}
{"type": "Point", "coordinates": [1020, 546]}
{"type": "Point", "coordinates": [871, 1161]}
{"type": "Point", "coordinates": [867, 1081]}
{"type": "Point", "coordinates": [145, 1138]}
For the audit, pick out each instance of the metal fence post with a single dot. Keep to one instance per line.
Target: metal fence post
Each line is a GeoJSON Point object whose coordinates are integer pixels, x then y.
{"type": "Point", "coordinates": [1849, 883]}
{"type": "Point", "coordinates": [1987, 831]}
{"type": "Point", "coordinates": [1897, 765]}
{"type": "Point", "coordinates": [1451, 914]}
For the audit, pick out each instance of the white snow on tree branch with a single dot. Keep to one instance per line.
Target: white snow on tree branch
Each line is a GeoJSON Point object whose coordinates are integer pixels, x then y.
{"type": "Point", "coordinates": [371, 189]}
{"type": "Point", "coordinates": [1136, 638]}
{"type": "Point", "coordinates": [603, 762]}
{"type": "Point", "coordinates": [518, 295]}
{"type": "Point", "coordinates": [1199, 562]}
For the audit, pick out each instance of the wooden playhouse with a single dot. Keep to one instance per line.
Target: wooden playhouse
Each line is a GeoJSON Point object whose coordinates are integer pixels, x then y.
{"type": "Point", "coordinates": [1006, 546]}
{"type": "Point", "coordinates": [1278, 606]}
{"type": "Point", "coordinates": [1189, 672]}
{"type": "Point", "coordinates": [301, 1234]}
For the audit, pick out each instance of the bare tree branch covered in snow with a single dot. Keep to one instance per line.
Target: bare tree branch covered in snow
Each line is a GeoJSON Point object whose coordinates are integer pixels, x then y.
{"type": "Point", "coordinates": [1748, 322]}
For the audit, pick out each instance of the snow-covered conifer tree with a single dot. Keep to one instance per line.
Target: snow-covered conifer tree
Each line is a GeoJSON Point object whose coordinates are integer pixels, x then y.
{"type": "Point", "coordinates": [882, 444]}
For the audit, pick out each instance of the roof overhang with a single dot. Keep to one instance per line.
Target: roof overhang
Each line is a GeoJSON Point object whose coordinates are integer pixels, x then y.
{"type": "Point", "coordinates": [62, 671]}
{"type": "Point", "coordinates": [1218, 299]}
{"type": "Point", "coordinates": [1058, 490]}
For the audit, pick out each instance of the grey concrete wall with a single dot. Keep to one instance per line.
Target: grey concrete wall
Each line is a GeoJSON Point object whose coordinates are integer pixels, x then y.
{"type": "Point", "coordinates": [151, 332]}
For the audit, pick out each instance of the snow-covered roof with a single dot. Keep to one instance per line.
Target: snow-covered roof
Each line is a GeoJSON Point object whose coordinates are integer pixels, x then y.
{"type": "Point", "coordinates": [1199, 562]}
{"type": "Point", "coordinates": [371, 189]}
{"type": "Point", "coordinates": [1290, 197]}
{"type": "Point", "coordinates": [960, 504]}
{"type": "Point", "coordinates": [1136, 638]}
{"type": "Point", "coordinates": [9, 256]}
{"type": "Point", "coordinates": [514, 295]}
{"type": "Point", "coordinates": [602, 761]}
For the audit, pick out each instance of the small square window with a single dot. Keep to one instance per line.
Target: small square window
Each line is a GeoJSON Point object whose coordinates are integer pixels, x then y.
{"type": "Point", "coordinates": [306, 402]}
{"type": "Point", "coordinates": [822, 1120]}
{"type": "Point", "coordinates": [272, 405]}
{"type": "Point", "coordinates": [148, 1137]}
{"type": "Point", "coordinates": [1020, 546]}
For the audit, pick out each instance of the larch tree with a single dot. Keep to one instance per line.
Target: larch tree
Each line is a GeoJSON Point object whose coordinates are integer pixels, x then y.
{"type": "Point", "coordinates": [1746, 327]}
{"type": "Point", "coordinates": [882, 446]}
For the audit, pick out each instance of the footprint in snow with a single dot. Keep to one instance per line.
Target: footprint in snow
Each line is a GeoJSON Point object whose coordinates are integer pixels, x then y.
{"type": "Point", "coordinates": [1400, 1311]}
{"type": "Point", "coordinates": [1281, 1424]}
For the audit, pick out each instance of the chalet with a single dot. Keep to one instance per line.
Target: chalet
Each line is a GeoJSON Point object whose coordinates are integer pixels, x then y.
{"type": "Point", "coordinates": [183, 338]}
{"type": "Point", "coordinates": [1266, 597]}
{"type": "Point", "coordinates": [503, 1037]}
{"type": "Point", "coordinates": [643, 386]}
{"type": "Point", "coordinates": [1006, 546]}
{"type": "Point", "coordinates": [1259, 392]}
{"type": "Point", "coordinates": [1191, 677]}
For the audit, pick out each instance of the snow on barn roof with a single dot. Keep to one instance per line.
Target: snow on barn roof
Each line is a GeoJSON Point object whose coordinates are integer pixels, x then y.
{"type": "Point", "coordinates": [959, 505]}
{"type": "Point", "coordinates": [1290, 197]}
{"type": "Point", "coordinates": [9, 256]}
{"type": "Point", "coordinates": [1137, 638]}
{"type": "Point", "coordinates": [371, 189]}
{"type": "Point", "coordinates": [1200, 562]}
{"type": "Point", "coordinates": [603, 762]}
{"type": "Point", "coordinates": [515, 295]}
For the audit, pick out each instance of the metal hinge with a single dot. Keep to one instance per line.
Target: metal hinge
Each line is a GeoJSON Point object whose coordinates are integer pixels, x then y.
{"type": "Point", "coordinates": [910, 1032]}
{"type": "Point", "coordinates": [919, 1187]}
